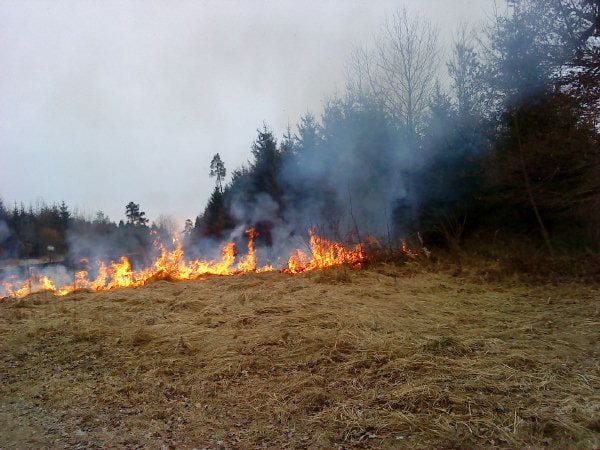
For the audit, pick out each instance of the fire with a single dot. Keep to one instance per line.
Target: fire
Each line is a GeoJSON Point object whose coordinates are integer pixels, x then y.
{"type": "Point", "coordinates": [324, 254]}
{"type": "Point", "coordinates": [408, 251]}
{"type": "Point", "coordinates": [172, 265]}
{"type": "Point", "coordinates": [35, 283]}
{"type": "Point", "coordinates": [248, 263]}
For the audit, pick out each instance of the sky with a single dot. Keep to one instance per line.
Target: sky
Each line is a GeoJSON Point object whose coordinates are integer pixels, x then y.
{"type": "Point", "coordinates": [107, 102]}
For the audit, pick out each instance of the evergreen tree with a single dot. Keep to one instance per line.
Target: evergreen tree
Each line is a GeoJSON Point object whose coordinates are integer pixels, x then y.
{"type": "Point", "coordinates": [288, 146]}
{"type": "Point", "coordinates": [265, 167]}
{"type": "Point", "coordinates": [465, 70]}
{"type": "Point", "coordinates": [215, 219]}
{"type": "Point", "coordinates": [65, 216]}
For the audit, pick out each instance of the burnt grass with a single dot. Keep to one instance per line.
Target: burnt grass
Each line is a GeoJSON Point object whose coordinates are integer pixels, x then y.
{"type": "Point", "coordinates": [377, 358]}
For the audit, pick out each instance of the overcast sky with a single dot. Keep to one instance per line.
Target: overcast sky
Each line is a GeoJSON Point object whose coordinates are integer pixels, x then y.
{"type": "Point", "coordinates": [106, 102]}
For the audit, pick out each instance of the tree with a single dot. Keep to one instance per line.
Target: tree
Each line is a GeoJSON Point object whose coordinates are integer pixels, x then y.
{"type": "Point", "coordinates": [101, 218]}
{"type": "Point", "coordinates": [65, 216]}
{"type": "Point", "coordinates": [552, 157]}
{"type": "Point", "coordinates": [464, 69]}
{"type": "Point", "coordinates": [188, 227]}
{"type": "Point", "coordinates": [217, 169]}
{"type": "Point", "coordinates": [309, 132]}
{"type": "Point", "coordinates": [132, 211]}
{"type": "Point", "coordinates": [400, 71]}
{"type": "Point", "coordinates": [452, 174]}
{"type": "Point", "coordinates": [3, 211]}
{"type": "Point", "coordinates": [288, 146]}
{"type": "Point", "coordinates": [102, 224]}
{"type": "Point", "coordinates": [166, 225]}
{"type": "Point", "coordinates": [305, 147]}
{"type": "Point", "coordinates": [583, 78]}
{"type": "Point", "coordinates": [526, 50]}
{"type": "Point", "coordinates": [215, 219]}
{"type": "Point", "coordinates": [134, 215]}
{"type": "Point", "coordinates": [265, 167]}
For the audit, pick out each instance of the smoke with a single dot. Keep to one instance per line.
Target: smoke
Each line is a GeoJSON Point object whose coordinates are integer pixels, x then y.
{"type": "Point", "coordinates": [394, 150]}
{"type": "Point", "coordinates": [4, 231]}
{"type": "Point", "coordinates": [8, 244]}
{"type": "Point", "coordinates": [354, 177]}
{"type": "Point", "coordinates": [345, 176]}
{"type": "Point", "coordinates": [27, 274]}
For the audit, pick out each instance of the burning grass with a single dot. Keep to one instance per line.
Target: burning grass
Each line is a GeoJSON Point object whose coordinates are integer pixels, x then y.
{"type": "Point", "coordinates": [171, 265]}
{"type": "Point", "coordinates": [372, 358]}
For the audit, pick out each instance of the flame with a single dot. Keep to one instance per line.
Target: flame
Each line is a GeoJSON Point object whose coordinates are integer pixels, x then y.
{"type": "Point", "coordinates": [172, 265]}
{"type": "Point", "coordinates": [325, 254]}
{"type": "Point", "coordinates": [35, 283]}
{"type": "Point", "coordinates": [248, 263]}
{"type": "Point", "coordinates": [408, 251]}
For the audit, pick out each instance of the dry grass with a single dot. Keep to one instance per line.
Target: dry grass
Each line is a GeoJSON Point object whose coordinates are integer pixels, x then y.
{"type": "Point", "coordinates": [375, 358]}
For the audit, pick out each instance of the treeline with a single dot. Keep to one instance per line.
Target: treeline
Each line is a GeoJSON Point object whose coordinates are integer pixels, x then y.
{"type": "Point", "coordinates": [501, 141]}
{"type": "Point", "coordinates": [508, 147]}
{"type": "Point", "coordinates": [55, 231]}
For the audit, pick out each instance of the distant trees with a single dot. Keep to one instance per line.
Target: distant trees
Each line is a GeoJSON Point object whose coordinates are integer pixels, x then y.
{"type": "Point", "coordinates": [557, 153]}
{"type": "Point", "coordinates": [28, 232]}
{"type": "Point", "coordinates": [166, 226]}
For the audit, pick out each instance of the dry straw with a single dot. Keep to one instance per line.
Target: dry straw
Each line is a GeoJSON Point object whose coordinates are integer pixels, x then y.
{"type": "Point", "coordinates": [372, 358]}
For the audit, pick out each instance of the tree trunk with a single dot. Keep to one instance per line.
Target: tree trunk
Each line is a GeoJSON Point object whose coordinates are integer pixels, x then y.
{"type": "Point", "coordinates": [528, 188]}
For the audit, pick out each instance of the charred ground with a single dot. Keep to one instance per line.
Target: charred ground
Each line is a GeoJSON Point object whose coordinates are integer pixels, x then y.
{"type": "Point", "coordinates": [384, 357]}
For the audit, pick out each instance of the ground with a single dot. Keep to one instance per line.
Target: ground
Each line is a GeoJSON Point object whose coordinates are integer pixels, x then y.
{"type": "Point", "coordinates": [386, 357]}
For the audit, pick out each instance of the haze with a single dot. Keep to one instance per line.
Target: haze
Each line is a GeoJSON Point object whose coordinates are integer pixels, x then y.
{"type": "Point", "coordinates": [102, 103]}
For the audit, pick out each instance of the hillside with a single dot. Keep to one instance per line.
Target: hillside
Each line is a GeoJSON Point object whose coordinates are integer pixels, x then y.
{"type": "Point", "coordinates": [374, 358]}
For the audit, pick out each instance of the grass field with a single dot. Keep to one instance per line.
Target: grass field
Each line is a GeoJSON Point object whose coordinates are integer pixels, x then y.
{"type": "Point", "coordinates": [384, 358]}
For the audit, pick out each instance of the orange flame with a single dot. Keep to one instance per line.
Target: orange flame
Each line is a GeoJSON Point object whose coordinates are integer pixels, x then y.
{"type": "Point", "coordinates": [248, 263]}
{"type": "Point", "coordinates": [172, 265]}
{"type": "Point", "coordinates": [325, 254]}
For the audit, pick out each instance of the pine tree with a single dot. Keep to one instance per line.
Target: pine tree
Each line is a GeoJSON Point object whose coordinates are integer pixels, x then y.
{"type": "Point", "coordinates": [217, 169]}
{"type": "Point", "coordinates": [65, 216]}
{"type": "Point", "coordinates": [134, 215]}
{"type": "Point", "coordinates": [216, 217]}
{"type": "Point", "coordinates": [266, 165]}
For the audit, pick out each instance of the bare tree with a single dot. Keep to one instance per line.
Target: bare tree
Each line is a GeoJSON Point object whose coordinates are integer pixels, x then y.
{"type": "Point", "coordinates": [464, 69]}
{"type": "Point", "coordinates": [400, 71]}
{"type": "Point", "coordinates": [167, 225]}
